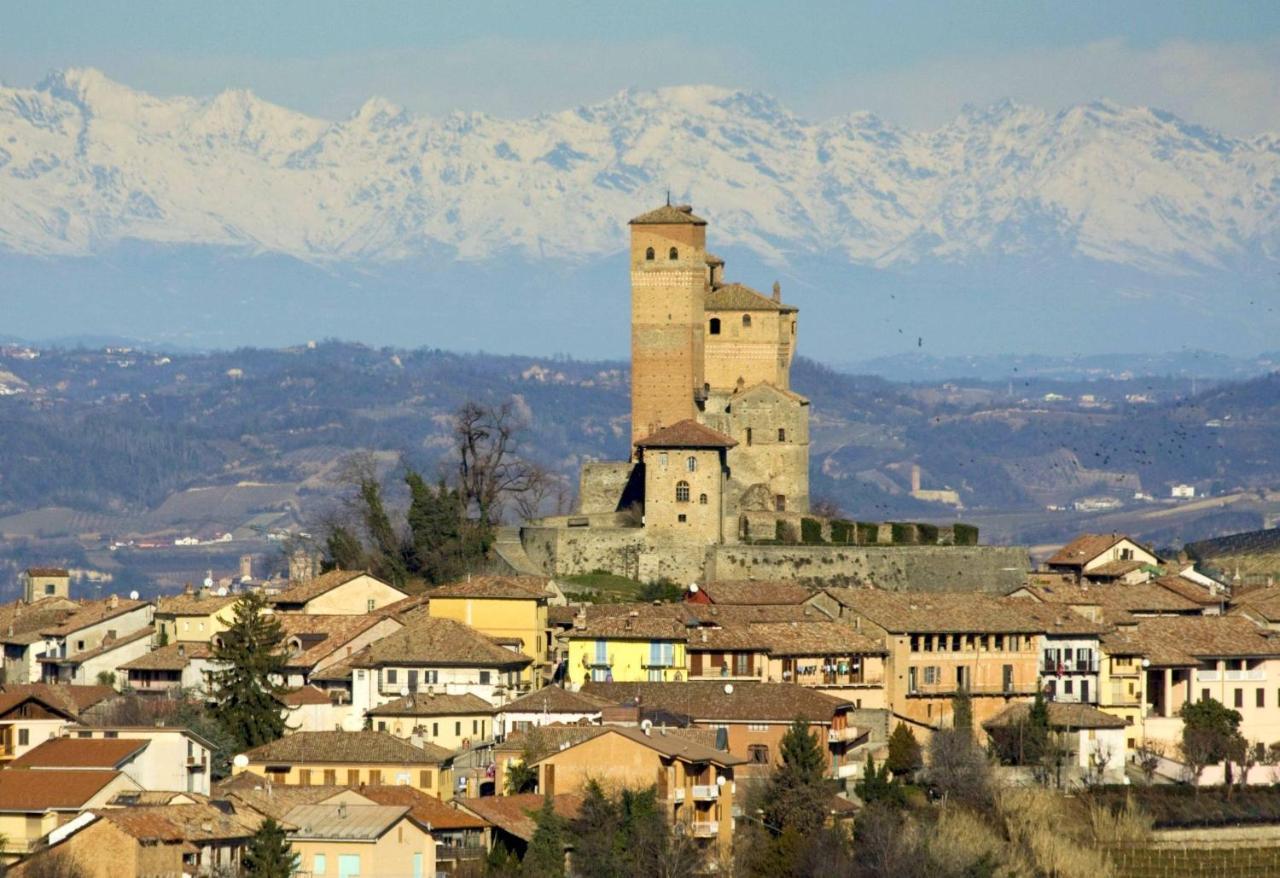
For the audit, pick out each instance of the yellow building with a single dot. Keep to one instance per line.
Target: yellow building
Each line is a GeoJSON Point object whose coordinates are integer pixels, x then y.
{"type": "Point", "coordinates": [684, 473]}
{"type": "Point", "coordinates": [349, 758]}
{"type": "Point", "coordinates": [627, 649]}
{"type": "Point", "coordinates": [35, 801]}
{"type": "Point", "coordinates": [196, 615]}
{"type": "Point", "coordinates": [695, 783]}
{"type": "Point", "coordinates": [352, 840]}
{"type": "Point", "coordinates": [1122, 690]}
{"type": "Point", "coordinates": [501, 607]}
{"type": "Point", "coordinates": [338, 592]}
{"type": "Point", "coordinates": [454, 722]}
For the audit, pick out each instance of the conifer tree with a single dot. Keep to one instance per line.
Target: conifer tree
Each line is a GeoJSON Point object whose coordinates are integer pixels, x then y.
{"type": "Point", "coordinates": [904, 751]}
{"type": "Point", "coordinates": [438, 549]}
{"type": "Point", "coordinates": [269, 854]}
{"type": "Point", "coordinates": [962, 711]}
{"type": "Point", "coordinates": [251, 652]}
{"type": "Point", "coordinates": [544, 857]}
{"type": "Point", "coordinates": [597, 835]}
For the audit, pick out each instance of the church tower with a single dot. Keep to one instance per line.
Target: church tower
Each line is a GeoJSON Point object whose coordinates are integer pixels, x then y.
{"type": "Point", "coordinates": [668, 290]}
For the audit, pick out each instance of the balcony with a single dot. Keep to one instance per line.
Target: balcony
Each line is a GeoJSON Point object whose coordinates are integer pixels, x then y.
{"type": "Point", "coordinates": [677, 795]}
{"type": "Point", "coordinates": [841, 736]}
{"type": "Point", "coordinates": [1232, 676]}
{"type": "Point", "coordinates": [705, 792]}
{"type": "Point", "coordinates": [1050, 668]}
{"type": "Point", "coordinates": [946, 690]}
{"type": "Point", "coordinates": [705, 828]}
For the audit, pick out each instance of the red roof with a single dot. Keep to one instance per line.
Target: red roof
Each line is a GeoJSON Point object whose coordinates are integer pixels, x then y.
{"type": "Point", "coordinates": [687, 434]}
{"type": "Point", "coordinates": [80, 753]}
{"type": "Point", "coordinates": [58, 790]}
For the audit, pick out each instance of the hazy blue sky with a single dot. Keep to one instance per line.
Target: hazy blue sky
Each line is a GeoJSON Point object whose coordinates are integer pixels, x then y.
{"type": "Point", "coordinates": [915, 63]}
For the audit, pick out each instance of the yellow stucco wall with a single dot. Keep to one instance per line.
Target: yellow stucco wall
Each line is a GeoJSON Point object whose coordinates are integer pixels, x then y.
{"type": "Point", "coordinates": [525, 619]}
{"type": "Point", "coordinates": [628, 660]}
{"type": "Point", "coordinates": [450, 732]}
{"type": "Point", "coordinates": [392, 854]}
{"type": "Point", "coordinates": [431, 779]}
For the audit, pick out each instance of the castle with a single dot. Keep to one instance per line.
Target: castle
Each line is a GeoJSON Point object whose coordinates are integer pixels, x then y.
{"type": "Point", "coordinates": [717, 482]}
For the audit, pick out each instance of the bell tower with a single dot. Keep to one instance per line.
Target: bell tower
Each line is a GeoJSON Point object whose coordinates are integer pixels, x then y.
{"type": "Point", "coordinates": [668, 291]}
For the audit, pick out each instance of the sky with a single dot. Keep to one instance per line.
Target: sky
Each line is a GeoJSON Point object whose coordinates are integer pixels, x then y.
{"type": "Point", "coordinates": [914, 63]}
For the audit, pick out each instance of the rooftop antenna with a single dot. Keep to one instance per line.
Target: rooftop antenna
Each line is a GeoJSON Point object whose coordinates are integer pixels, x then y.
{"type": "Point", "coordinates": [668, 196]}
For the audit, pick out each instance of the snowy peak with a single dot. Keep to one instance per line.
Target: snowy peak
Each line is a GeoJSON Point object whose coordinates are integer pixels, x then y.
{"type": "Point", "coordinates": [86, 163]}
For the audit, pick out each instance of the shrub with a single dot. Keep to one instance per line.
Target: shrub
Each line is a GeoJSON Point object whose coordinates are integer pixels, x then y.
{"type": "Point", "coordinates": [903, 533]}
{"type": "Point", "coordinates": [843, 531]}
{"type": "Point", "coordinates": [868, 533]}
{"type": "Point", "coordinates": [810, 531]}
{"type": "Point", "coordinates": [966, 534]}
{"type": "Point", "coordinates": [928, 534]}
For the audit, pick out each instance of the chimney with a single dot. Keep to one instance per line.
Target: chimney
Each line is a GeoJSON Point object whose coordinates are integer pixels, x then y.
{"type": "Point", "coordinates": [188, 589]}
{"type": "Point", "coordinates": [246, 567]}
{"type": "Point", "coordinates": [777, 292]}
{"type": "Point", "coordinates": [113, 602]}
{"type": "Point", "coordinates": [915, 478]}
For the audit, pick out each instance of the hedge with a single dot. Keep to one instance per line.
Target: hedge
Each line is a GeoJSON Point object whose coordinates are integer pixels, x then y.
{"type": "Point", "coordinates": [966, 534]}
{"type": "Point", "coordinates": [928, 534]}
{"type": "Point", "coordinates": [868, 533]}
{"type": "Point", "coordinates": [843, 531]}
{"type": "Point", "coordinates": [810, 531]}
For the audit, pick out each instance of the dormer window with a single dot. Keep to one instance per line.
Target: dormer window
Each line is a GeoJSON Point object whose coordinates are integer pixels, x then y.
{"type": "Point", "coordinates": [648, 255]}
{"type": "Point", "coordinates": [673, 254]}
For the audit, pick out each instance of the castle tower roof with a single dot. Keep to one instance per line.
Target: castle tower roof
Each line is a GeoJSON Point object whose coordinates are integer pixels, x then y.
{"type": "Point", "coordinates": [668, 215]}
{"type": "Point", "coordinates": [740, 297]}
{"type": "Point", "coordinates": [687, 434]}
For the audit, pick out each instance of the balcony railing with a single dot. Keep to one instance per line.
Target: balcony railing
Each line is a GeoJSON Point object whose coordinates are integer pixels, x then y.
{"type": "Point", "coordinates": [705, 828]}
{"type": "Point", "coordinates": [1230, 676]}
{"type": "Point", "coordinates": [937, 690]}
{"type": "Point", "coordinates": [677, 795]}
{"type": "Point", "coordinates": [706, 791]}
{"type": "Point", "coordinates": [838, 736]}
{"type": "Point", "coordinates": [1050, 667]}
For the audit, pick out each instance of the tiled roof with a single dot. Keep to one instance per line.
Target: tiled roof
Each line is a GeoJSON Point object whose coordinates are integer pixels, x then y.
{"type": "Point", "coordinates": [1142, 597]}
{"type": "Point", "coordinates": [377, 748]}
{"type": "Point", "coordinates": [344, 822]}
{"type": "Point", "coordinates": [1179, 641]}
{"type": "Point", "coordinates": [197, 603]}
{"type": "Point", "coordinates": [1084, 549]}
{"type": "Point", "coordinates": [21, 623]}
{"type": "Point", "coordinates": [424, 704]}
{"type": "Point", "coordinates": [105, 647]}
{"type": "Point", "coordinates": [1185, 588]}
{"type": "Point", "coordinates": [1059, 620]}
{"type": "Point", "coordinates": [301, 592]}
{"type": "Point", "coordinates": [756, 593]}
{"type": "Point", "coordinates": [404, 607]}
{"type": "Point", "coordinates": [669, 214]}
{"type": "Point", "coordinates": [642, 626]}
{"type": "Point", "coordinates": [672, 745]}
{"type": "Point", "coordinates": [514, 814]}
{"type": "Point", "coordinates": [427, 810]}
{"type": "Point", "coordinates": [321, 635]}
{"type": "Point", "coordinates": [687, 434]}
{"type": "Point", "coordinates": [67, 698]}
{"type": "Point", "coordinates": [497, 587]}
{"type": "Point", "coordinates": [550, 737]}
{"type": "Point", "coordinates": [55, 789]}
{"type": "Point", "coordinates": [47, 571]}
{"type": "Point", "coordinates": [92, 612]}
{"type": "Point", "coordinates": [813, 638]}
{"type": "Point", "coordinates": [304, 695]}
{"type": "Point", "coordinates": [740, 297]}
{"type": "Point", "coordinates": [1062, 715]}
{"type": "Point", "coordinates": [174, 657]}
{"type": "Point", "coordinates": [554, 699]}
{"type": "Point", "coordinates": [271, 800]}
{"type": "Point", "coordinates": [936, 612]}
{"type": "Point", "coordinates": [81, 753]}
{"type": "Point", "coordinates": [194, 822]}
{"type": "Point", "coordinates": [708, 700]}
{"type": "Point", "coordinates": [443, 642]}
{"type": "Point", "coordinates": [1263, 602]}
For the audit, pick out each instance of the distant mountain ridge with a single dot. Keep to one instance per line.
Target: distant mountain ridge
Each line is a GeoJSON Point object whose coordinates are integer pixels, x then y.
{"type": "Point", "coordinates": [129, 213]}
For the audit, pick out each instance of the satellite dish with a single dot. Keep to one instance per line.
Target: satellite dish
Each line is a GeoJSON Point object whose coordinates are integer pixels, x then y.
{"type": "Point", "coordinates": [720, 780]}
{"type": "Point", "coordinates": [241, 761]}
{"type": "Point", "coordinates": [645, 725]}
{"type": "Point", "coordinates": [404, 691]}
{"type": "Point", "coordinates": [693, 588]}
{"type": "Point", "coordinates": [208, 582]}
{"type": "Point", "coordinates": [222, 592]}
{"type": "Point", "coordinates": [133, 595]}
{"type": "Point", "coordinates": [728, 688]}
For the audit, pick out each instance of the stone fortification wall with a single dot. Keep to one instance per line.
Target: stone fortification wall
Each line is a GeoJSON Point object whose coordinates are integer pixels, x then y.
{"type": "Point", "coordinates": [997, 569]}
{"type": "Point", "coordinates": [568, 551]}
{"type": "Point", "coordinates": [608, 486]}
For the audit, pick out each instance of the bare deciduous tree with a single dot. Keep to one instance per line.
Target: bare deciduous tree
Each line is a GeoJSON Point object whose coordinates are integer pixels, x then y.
{"type": "Point", "coordinates": [489, 467]}
{"type": "Point", "coordinates": [1148, 756]}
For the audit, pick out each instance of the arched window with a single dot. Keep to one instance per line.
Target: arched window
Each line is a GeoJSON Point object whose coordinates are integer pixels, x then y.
{"type": "Point", "coordinates": [673, 254]}
{"type": "Point", "coordinates": [691, 463]}
{"type": "Point", "coordinates": [648, 255]}
{"type": "Point", "coordinates": [746, 321]}
{"type": "Point", "coordinates": [682, 492]}
{"type": "Point", "coordinates": [702, 499]}
{"type": "Point", "coordinates": [715, 325]}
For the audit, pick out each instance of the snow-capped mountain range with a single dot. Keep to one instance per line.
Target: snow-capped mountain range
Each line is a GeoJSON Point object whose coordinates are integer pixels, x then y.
{"type": "Point", "coordinates": [88, 165]}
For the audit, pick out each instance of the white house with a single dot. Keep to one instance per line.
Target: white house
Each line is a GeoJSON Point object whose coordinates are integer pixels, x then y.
{"type": "Point", "coordinates": [156, 758]}
{"type": "Point", "coordinates": [550, 705]}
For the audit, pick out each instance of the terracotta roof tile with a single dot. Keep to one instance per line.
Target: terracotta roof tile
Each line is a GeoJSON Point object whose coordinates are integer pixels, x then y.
{"type": "Point", "coordinates": [55, 789]}
{"type": "Point", "coordinates": [554, 699]}
{"type": "Point", "coordinates": [1084, 549]}
{"type": "Point", "coordinates": [754, 593]}
{"type": "Point", "coordinates": [1059, 620]}
{"type": "Point", "coordinates": [936, 612]}
{"type": "Point", "coordinates": [668, 215]}
{"type": "Point", "coordinates": [91, 612]}
{"type": "Point", "coordinates": [707, 700]}
{"type": "Point", "coordinates": [677, 746]}
{"type": "Point", "coordinates": [319, 636]}
{"type": "Point", "coordinates": [105, 647]}
{"type": "Point", "coordinates": [425, 809]}
{"type": "Point", "coordinates": [740, 297]}
{"type": "Point", "coordinates": [443, 642]}
{"type": "Point", "coordinates": [174, 657]}
{"type": "Point", "coordinates": [1062, 715]}
{"type": "Point", "coordinates": [1142, 597]}
{"type": "Point", "coordinates": [301, 592]}
{"type": "Point", "coordinates": [346, 822]}
{"type": "Point", "coordinates": [813, 638]}
{"type": "Point", "coordinates": [47, 571]}
{"type": "Point", "coordinates": [495, 587]}
{"type": "Point", "coordinates": [81, 753]}
{"type": "Point", "coordinates": [22, 623]}
{"type": "Point", "coordinates": [514, 814]}
{"type": "Point", "coordinates": [68, 698]}
{"type": "Point", "coordinates": [1179, 641]}
{"type": "Point", "coordinates": [687, 434]}
{"type": "Point", "coordinates": [198, 822]}
{"type": "Point", "coordinates": [424, 704]}
{"type": "Point", "coordinates": [305, 695]}
{"type": "Point", "coordinates": [355, 747]}
{"type": "Point", "coordinates": [197, 603]}
{"type": "Point", "coordinates": [641, 626]}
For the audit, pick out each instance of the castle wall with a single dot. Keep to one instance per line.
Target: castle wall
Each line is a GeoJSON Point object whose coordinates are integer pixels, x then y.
{"type": "Point", "coordinates": [569, 551]}
{"type": "Point", "coordinates": [740, 356]}
{"type": "Point", "coordinates": [607, 486]}
{"type": "Point", "coordinates": [697, 518]}
{"type": "Point", "coordinates": [763, 466]}
{"type": "Point", "coordinates": [997, 569]}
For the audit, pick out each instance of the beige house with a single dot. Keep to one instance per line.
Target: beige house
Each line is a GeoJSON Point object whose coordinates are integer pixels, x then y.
{"type": "Point", "coordinates": [167, 670]}
{"type": "Point", "coordinates": [349, 758]}
{"type": "Point", "coordinates": [684, 474]}
{"type": "Point", "coordinates": [45, 582]}
{"type": "Point", "coordinates": [1104, 557]}
{"type": "Point", "coordinates": [338, 592]}
{"type": "Point", "coordinates": [29, 716]}
{"type": "Point", "coordinates": [454, 722]}
{"type": "Point", "coordinates": [33, 804]}
{"type": "Point", "coordinates": [316, 642]}
{"type": "Point", "coordinates": [503, 607]}
{"type": "Point", "coordinates": [352, 840]}
{"type": "Point", "coordinates": [194, 616]}
{"type": "Point", "coordinates": [98, 637]}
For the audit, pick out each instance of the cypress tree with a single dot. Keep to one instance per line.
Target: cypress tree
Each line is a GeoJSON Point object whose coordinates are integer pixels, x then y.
{"type": "Point", "coordinates": [545, 856]}
{"type": "Point", "coordinates": [597, 847]}
{"type": "Point", "coordinates": [251, 651]}
{"type": "Point", "coordinates": [269, 854]}
{"type": "Point", "coordinates": [904, 751]}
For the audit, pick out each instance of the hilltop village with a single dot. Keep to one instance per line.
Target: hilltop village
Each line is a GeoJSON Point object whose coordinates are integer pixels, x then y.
{"type": "Point", "coordinates": [814, 696]}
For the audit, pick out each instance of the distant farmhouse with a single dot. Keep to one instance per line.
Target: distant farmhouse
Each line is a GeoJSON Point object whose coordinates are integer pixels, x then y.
{"type": "Point", "coordinates": [717, 484]}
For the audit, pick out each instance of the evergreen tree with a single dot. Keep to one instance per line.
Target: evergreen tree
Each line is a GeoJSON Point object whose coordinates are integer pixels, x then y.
{"type": "Point", "coordinates": [905, 756]}
{"type": "Point", "coordinates": [501, 863]}
{"type": "Point", "coordinates": [597, 835]}
{"type": "Point", "coordinates": [388, 561]}
{"type": "Point", "coordinates": [962, 712]}
{"type": "Point", "coordinates": [269, 854]}
{"type": "Point", "coordinates": [544, 857]}
{"type": "Point", "coordinates": [792, 807]}
{"type": "Point", "coordinates": [344, 549]}
{"type": "Point", "coordinates": [1035, 734]}
{"type": "Point", "coordinates": [251, 652]}
{"type": "Point", "coordinates": [438, 544]}
{"type": "Point", "coordinates": [875, 785]}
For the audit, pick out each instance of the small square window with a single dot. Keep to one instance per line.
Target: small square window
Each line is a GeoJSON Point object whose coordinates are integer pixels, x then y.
{"type": "Point", "coordinates": [682, 518]}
